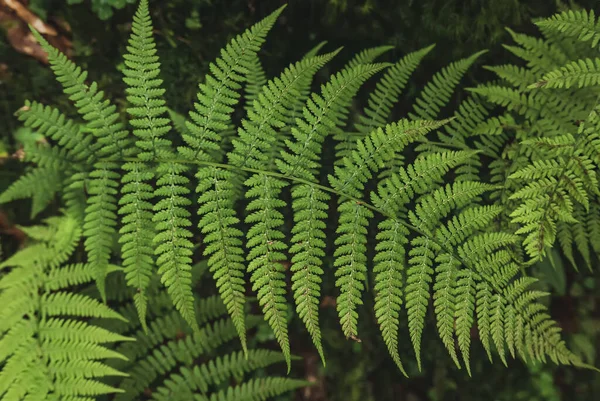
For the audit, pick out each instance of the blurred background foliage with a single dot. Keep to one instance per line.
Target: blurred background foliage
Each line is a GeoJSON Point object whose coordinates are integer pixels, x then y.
{"type": "Point", "coordinates": [189, 35]}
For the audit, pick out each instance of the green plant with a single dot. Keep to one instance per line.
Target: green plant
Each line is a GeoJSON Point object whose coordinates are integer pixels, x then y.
{"type": "Point", "coordinates": [58, 343]}
{"type": "Point", "coordinates": [266, 187]}
{"type": "Point", "coordinates": [547, 144]}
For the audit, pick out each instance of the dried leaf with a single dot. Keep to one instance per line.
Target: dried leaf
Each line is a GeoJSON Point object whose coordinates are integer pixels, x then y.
{"type": "Point", "coordinates": [28, 17]}
{"type": "Point", "coordinates": [16, 18]}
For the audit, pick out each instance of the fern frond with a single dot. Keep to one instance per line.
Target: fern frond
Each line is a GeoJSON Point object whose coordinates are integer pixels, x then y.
{"type": "Point", "coordinates": [50, 122]}
{"type": "Point", "coordinates": [371, 155]}
{"type": "Point", "coordinates": [223, 240]}
{"type": "Point", "coordinates": [387, 90]}
{"type": "Point", "coordinates": [540, 55]}
{"type": "Point", "coordinates": [266, 253]}
{"type": "Point", "coordinates": [218, 94]}
{"type": "Point", "coordinates": [201, 378]}
{"type": "Point", "coordinates": [555, 188]}
{"type": "Point", "coordinates": [389, 264]}
{"type": "Point", "coordinates": [172, 240]}
{"type": "Point", "coordinates": [437, 244]}
{"type": "Point", "coordinates": [517, 76]}
{"type": "Point", "coordinates": [367, 56]}
{"type": "Point", "coordinates": [101, 217]}
{"type": "Point", "coordinates": [102, 118]}
{"type": "Point", "coordinates": [464, 296]}
{"type": "Point", "coordinates": [583, 73]}
{"type": "Point", "coordinates": [437, 92]}
{"type": "Point", "coordinates": [44, 355]}
{"type": "Point", "coordinates": [212, 116]}
{"type": "Point", "coordinates": [172, 362]}
{"type": "Point", "coordinates": [380, 102]}
{"type": "Point", "coordinates": [46, 155]}
{"type": "Point", "coordinates": [41, 184]}
{"type": "Point", "coordinates": [309, 202]}
{"type": "Point", "coordinates": [252, 149]}
{"type": "Point", "coordinates": [259, 389]}
{"type": "Point", "coordinates": [137, 231]}
{"type": "Point", "coordinates": [581, 24]}
{"type": "Point", "coordinates": [163, 358]}
{"type": "Point", "coordinates": [89, 101]}
{"type": "Point", "coordinates": [148, 111]}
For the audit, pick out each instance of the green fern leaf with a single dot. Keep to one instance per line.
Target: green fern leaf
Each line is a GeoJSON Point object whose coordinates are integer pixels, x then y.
{"type": "Point", "coordinates": [367, 56]}
{"type": "Point", "coordinates": [389, 264]}
{"type": "Point", "coordinates": [100, 217]}
{"type": "Point", "coordinates": [252, 150]}
{"type": "Point", "coordinates": [320, 112]}
{"type": "Point", "coordinates": [581, 24]}
{"type": "Point", "coordinates": [223, 241]}
{"type": "Point", "coordinates": [583, 73]}
{"type": "Point", "coordinates": [218, 94]}
{"type": "Point", "coordinates": [147, 108]}
{"type": "Point", "coordinates": [438, 91]}
{"type": "Point", "coordinates": [42, 354]}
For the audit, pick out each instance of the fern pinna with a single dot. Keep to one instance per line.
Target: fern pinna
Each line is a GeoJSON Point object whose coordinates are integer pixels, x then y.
{"type": "Point", "coordinates": [441, 233]}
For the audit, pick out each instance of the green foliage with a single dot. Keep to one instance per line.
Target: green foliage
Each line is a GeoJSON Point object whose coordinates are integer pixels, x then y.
{"type": "Point", "coordinates": [550, 176]}
{"type": "Point", "coordinates": [57, 343]}
{"type": "Point", "coordinates": [49, 349]}
{"type": "Point", "coordinates": [445, 233]}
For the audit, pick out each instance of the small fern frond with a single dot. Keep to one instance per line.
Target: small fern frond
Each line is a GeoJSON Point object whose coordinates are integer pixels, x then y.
{"type": "Point", "coordinates": [223, 241]}
{"type": "Point", "coordinates": [387, 90]}
{"type": "Point", "coordinates": [371, 155]}
{"type": "Point", "coordinates": [583, 73]}
{"type": "Point", "coordinates": [367, 56]}
{"type": "Point", "coordinates": [50, 122]}
{"type": "Point", "coordinates": [218, 94]}
{"type": "Point", "coordinates": [43, 354]}
{"type": "Point", "coordinates": [41, 184]}
{"type": "Point", "coordinates": [540, 55]}
{"type": "Point", "coordinates": [327, 110]}
{"type": "Point", "coordinates": [102, 118]}
{"type": "Point", "coordinates": [201, 378]}
{"type": "Point", "coordinates": [170, 362]}
{"type": "Point", "coordinates": [580, 24]}
{"type": "Point", "coordinates": [438, 91]}
{"type": "Point", "coordinates": [259, 389]}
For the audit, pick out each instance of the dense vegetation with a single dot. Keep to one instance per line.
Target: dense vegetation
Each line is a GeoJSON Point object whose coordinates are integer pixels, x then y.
{"type": "Point", "coordinates": [339, 208]}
